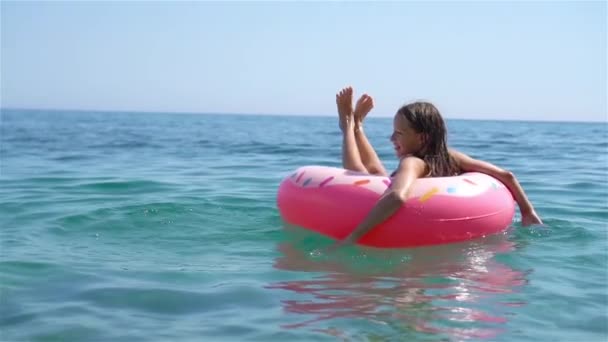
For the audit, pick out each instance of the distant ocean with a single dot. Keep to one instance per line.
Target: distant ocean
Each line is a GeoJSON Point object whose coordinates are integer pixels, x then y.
{"type": "Point", "coordinates": [164, 227]}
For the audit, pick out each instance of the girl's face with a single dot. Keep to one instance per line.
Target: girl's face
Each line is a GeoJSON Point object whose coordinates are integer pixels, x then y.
{"type": "Point", "coordinates": [404, 138]}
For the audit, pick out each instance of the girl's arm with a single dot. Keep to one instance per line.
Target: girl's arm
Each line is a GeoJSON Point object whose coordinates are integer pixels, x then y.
{"type": "Point", "coordinates": [410, 169]}
{"type": "Point", "coordinates": [466, 163]}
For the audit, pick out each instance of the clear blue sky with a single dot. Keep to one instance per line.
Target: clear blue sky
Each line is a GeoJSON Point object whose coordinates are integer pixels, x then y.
{"type": "Point", "coordinates": [516, 60]}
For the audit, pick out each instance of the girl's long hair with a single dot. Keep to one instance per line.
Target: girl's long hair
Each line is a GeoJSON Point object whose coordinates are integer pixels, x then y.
{"type": "Point", "coordinates": [424, 118]}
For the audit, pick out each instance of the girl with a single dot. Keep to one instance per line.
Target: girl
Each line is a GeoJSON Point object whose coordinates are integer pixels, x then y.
{"type": "Point", "coordinates": [419, 138]}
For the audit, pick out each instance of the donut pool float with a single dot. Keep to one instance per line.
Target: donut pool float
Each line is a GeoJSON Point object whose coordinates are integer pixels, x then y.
{"type": "Point", "coordinates": [333, 201]}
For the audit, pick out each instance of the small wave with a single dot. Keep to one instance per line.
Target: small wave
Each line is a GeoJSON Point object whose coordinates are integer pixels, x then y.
{"type": "Point", "coordinates": [29, 140]}
{"type": "Point", "coordinates": [27, 266]}
{"type": "Point", "coordinates": [15, 319]}
{"type": "Point", "coordinates": [556, 230]}
{"type": "Point", "coordinates": [136, 186]}
{"type": "Point", "coordinates": [272, 148]}
{"type": "Point", "coordinates": [125, 145]}
{"type": "Point", "coordinates": [71, 158]}
{"type": "Point", "coordinates": [173, 301]}
{"type": "Point", "coordinates": [148, 218]}
{"type": "Point", "coordinates": [50, 180]}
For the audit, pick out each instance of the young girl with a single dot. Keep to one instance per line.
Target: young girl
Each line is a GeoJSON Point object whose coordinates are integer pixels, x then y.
{"type": "Point", "coordinates": [419, 138]}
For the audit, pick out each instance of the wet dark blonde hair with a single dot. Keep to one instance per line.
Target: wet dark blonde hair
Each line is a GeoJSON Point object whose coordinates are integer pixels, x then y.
{"type": "Point", "coordinates": [424, 118]}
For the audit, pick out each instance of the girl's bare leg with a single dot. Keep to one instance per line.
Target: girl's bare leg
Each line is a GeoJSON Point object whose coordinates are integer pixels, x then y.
{"type": "Point", "coordinates": [351, 160]}
{"type": "Point", "coordinates": [369, 157]}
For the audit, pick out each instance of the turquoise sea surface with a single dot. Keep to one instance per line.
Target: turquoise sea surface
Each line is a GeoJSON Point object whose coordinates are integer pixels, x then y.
{"type": "Point", "coordinates": [164, 227]}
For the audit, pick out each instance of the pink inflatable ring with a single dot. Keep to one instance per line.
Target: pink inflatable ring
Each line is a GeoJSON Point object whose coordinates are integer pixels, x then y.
{"type": "Point", "coordinates": [332, 201]}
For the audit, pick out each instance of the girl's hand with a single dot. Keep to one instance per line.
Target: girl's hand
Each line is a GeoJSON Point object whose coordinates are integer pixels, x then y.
{"type": "Point", "coordinates": [530, 218]}
{"type": "Point", "coordinates": [362, 108]}
{"type": "Point", "coordinates": [350, 239]}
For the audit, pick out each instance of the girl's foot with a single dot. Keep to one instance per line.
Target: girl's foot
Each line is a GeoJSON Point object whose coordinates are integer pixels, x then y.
{"type": "Point", "coordinates": [362, 108]}
{"type": "Point", "coordinates": [344, 101]}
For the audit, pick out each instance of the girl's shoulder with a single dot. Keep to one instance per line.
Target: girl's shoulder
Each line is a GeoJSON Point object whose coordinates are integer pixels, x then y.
{"type": "Point", "coordinates": [409, 158]}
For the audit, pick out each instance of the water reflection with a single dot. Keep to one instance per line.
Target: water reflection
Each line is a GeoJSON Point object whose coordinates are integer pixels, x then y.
{"type": "Point", "coordinates": [459, 290]}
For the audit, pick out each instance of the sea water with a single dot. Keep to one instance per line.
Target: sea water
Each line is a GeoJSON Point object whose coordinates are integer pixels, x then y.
{"type": "Point", "coordinates": [164, 227]}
